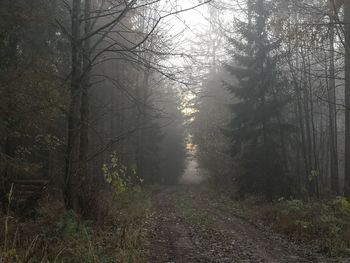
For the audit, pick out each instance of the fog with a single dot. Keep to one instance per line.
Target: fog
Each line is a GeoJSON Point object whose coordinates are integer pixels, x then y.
{"type": "Point", "coordinates": [109, 107]}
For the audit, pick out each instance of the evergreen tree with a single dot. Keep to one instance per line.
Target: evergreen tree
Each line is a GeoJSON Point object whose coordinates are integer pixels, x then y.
{"type": "Point", "coordinates": [256, 128]}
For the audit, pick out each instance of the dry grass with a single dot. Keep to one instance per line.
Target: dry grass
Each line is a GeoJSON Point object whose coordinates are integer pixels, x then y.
{"type": "Point", "coordinates": [323, 224]}
{"type": "Point", "coordinates": [57, 235]}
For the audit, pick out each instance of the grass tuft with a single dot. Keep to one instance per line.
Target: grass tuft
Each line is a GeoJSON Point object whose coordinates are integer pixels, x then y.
{"type": "Point", "coordinates": [57, 235]}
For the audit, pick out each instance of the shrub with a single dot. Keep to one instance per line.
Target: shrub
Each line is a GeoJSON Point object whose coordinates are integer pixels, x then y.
{"type": "Point", "coordinates": [61, 236]}
{"type": "Point", "coordinates": [120, 177]}
{"type": "Point", "coordinates": [323, 223]}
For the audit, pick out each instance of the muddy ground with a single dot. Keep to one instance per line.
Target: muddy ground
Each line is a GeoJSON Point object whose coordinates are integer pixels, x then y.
{"type": "Point", "coordinates": [187, 226]}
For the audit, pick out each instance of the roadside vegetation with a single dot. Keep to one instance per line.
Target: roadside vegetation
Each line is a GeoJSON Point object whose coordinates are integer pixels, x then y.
{"type": "Point", "coordinates": [321, 224]}
{"type": "Point", "coordinates": [115, 233]}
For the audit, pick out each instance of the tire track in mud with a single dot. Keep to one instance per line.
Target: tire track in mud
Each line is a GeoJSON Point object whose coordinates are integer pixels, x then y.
{"type": "Point", "coordinates": [171, 236]}
{"type": "Point", "coordinates": [204, 233]}
{"type": "Point", "coordinates": [264, 245]}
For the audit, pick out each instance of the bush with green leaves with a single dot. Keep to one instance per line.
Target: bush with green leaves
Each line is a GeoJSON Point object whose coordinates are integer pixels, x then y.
{"type": "Point", "coordinates": [121, 177]}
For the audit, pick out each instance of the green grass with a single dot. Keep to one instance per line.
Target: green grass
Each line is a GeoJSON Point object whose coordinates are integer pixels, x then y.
{"type": "Point", "coordinates": [194, 215]}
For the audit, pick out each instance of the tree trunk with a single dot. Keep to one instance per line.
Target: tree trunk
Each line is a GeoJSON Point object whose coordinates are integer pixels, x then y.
{"type": "Point", "coordinates": [347, 97]}
{"type": "Point", "coordinates": [308, 138]}
{"type": "Point", "coordinates": [73, 141]}
{"type": "Point", "coordinates": [10, 141]}
{"type": "Point", "coordinates": [84, 139]}
{"type": "Point", "coordinates": [297, 83]}
{"type": "Point", "coordinates": [313, 132]}
{"type": "Point", "coordinates": [141, 125]}
{"type": "Point", "coordinates": [333, 131]}
{"type": "Point", "coordinates": [85, 181]}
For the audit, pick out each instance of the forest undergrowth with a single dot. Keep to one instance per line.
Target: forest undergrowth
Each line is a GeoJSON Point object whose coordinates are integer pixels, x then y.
{"type": "Point", "coordinates": [321, 224]}
{"type": "Point", "coordinates": [57, 235]}
{"type": "Point", "coordinates": [119, 231]}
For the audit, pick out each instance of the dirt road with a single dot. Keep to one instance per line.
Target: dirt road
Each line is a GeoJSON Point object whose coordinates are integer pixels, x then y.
{"type": "Point", "coordinates": [188, 227]}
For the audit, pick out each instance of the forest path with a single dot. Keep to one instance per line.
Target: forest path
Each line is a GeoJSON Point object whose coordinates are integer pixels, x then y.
{"type": "Point", "coordinates": [186, 226]}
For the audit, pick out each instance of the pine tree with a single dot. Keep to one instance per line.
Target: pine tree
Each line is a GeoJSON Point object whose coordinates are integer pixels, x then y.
{"type": "Point", "coordinates": [256, 129]}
